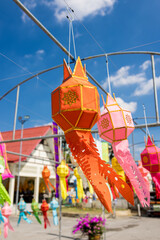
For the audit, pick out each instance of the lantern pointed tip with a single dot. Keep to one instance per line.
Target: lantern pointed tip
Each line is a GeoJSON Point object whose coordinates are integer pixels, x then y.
{"type": "Point", "coordinates": [149, 141]}
{"type": "Point", "coordinates": [67, 72]}
{"type": "Point", "coordinates": [79, 71]}
{"type": "Point", "coordinates": [109, 100]}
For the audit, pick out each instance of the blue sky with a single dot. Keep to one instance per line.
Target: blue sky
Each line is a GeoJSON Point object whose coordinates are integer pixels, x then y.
{"type": "Point", "coordinates": [115, 25]}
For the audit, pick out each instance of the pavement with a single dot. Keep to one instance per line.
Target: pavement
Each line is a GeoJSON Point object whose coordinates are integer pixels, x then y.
{"type": "Point", "coordinates": [119, 228]}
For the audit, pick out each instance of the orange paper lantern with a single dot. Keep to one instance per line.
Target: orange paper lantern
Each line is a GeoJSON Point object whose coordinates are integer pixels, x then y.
{"type": "Point", "coordinates": [46, 174]}
{"type": "Point", "coordinates": [76, 109]}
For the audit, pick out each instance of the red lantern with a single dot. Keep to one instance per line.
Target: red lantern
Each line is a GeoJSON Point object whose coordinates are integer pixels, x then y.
{"type": "Point", "coordinates": [75, 108]}
{"type": "Point", "coordinates": [44, 209]}
{"type": "Point", "coordinates": [150, 158]}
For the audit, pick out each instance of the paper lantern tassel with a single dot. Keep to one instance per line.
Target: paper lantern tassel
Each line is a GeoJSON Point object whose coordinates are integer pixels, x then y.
{"type": "Point", "coordinates": [35, 209]}
{"type": "Point", "coordinates": [84, 150]}
{"type": "Point", "coordinates": [6, 173]}
{"type": "Point", "coordinates": [6, 212]}
{"type": "Point", "coordinates": [46, 175]}
{"type": "Point", "coordinates": [22, 208]}
{"type": "Point", "coordinates": [54, 205]}
{"type": "Point", "coordinates": [62, 171]}
{"type": "Point", "coordinates": [80, 191]}
{"type": "Point", "coordinates": [44, 209]}
{"type": "Point", "coordinates": [125, 159]}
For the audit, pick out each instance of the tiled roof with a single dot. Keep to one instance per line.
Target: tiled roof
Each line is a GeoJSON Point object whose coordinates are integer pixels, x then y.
{"type": "Point", "coordinates": [27, 146]}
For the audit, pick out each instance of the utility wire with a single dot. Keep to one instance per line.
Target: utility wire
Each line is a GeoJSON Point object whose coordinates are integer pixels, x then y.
{"type": "Point", "coordinates": [24, 69]}
{"type": "Point", "coordinates": [9, 78]}
{"type": "Point", "coordinates": [25, 108]}
{"type": "Point", "coordinates": [142, 45]}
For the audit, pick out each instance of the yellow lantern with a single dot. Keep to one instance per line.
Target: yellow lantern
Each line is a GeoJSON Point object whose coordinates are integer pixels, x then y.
{"type": "Point", "coordinates": [80, 191]}
{"type": "Point", "coordinates": [63, 171]}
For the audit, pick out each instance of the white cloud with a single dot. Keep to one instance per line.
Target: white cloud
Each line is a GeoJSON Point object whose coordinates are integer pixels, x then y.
{"type": "Point", "coordinates": [28, 56]}
{"type": "Point", "coordinates": [82, 8]}
{"type": "Point", "coordinates": [131, 106]}
{"type": "Point", "coordinates": [124, 77]}
{"type": "Point", "coordinates": [40, 52]}
{"type": "Point", "coordinates": [38, 55]}
{"type": "Point", "coordinates": [31, 4]}
{"type": "Point", "coordinates": [146, 87]}
{"type": "Point", "coordinates": [144, 66]}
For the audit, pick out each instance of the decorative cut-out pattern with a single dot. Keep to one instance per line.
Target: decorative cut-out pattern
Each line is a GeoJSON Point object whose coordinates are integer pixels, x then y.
{"type": "Point", "coordinates": [128, 119]}
{"type": "Point", "coordinates": [105, 123]}
{"type": "Point", "coordinates": [70, 97]}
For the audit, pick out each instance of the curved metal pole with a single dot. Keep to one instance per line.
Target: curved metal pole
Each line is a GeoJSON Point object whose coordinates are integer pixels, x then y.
{"type": "Point", "coordinates": [83, 59]}
{"type": "Point", "coordinates": [16, 109]}
{"type": "Point", "coordinates": [26, 80]}
{"type": "Point", "coordinates": [120, 53]}
{"type": "Point", "coordinates": [155, 88]}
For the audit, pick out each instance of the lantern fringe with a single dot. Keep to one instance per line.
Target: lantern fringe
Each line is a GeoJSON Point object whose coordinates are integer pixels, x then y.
{"type": "Point", "coordinates": [63, 187]}
{"type": "Point", "coordinates": [156, 180]}
{"type": "Point", "coordinates": [97, 171]}
{"type": "Point", "coordinates": [46, 175]}
{"type": "Point", "coordinates": [22, 215]}
{"type": "Point", "coordinates": [125, 159]}
{"type": "Point", "coordinates": [7, 226]}
{"type": "Point", "coordinates": [46, 220]}
{"type": "Point", "coordinates": [37, 217]}
{"type": "Point", "coordinates": [47, 182]}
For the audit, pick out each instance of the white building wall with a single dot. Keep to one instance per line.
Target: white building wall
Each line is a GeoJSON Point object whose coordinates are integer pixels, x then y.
{"type": "Point", "coordinates": [33, 167]}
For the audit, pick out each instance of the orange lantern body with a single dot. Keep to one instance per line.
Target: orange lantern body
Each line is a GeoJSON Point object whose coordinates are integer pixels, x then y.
{"type": "Point", "coordinates": [76, 109]}
{"type": "Point", "coordinates": [75, 102]}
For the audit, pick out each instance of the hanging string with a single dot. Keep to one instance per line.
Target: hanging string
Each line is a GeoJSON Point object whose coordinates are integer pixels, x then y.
{"type": "Point", "coordinates": [37, 81]}
{"type": "Point", "coordinates": [147, 131]}
{"type": "Point", "coordinates": [71, 18]}
{"type": "Point", "coordinates": [69, 41]}
{"type": "Point", "coordinates": [108, 78]}
{"type": "Point", "coordinates": [75, 55]}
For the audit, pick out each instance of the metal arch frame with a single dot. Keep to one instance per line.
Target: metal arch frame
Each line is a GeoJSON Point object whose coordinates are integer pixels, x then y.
{"type": "Point", "coordinates": [40, 25]}
{"type": "Point", "coordinates": [89, 58]}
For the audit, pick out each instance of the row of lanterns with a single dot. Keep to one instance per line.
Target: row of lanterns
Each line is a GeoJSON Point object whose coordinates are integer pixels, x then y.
{"type": "Point", "coordinates": [76, 109]}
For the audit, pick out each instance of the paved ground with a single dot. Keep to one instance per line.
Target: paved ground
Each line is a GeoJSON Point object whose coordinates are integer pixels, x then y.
{"type": "Point", "coordinates": [121, 228]}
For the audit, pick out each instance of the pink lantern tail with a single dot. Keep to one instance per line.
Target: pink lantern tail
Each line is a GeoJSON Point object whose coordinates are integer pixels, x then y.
{"type": "Point", "coordinates": [7, 174]}
{"type": "Point", "coordinates": [156, 180]}
{"type": "Point", "coordinates": [6, 226]}
{"type": "Point", "coordinates": [125, 159]}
